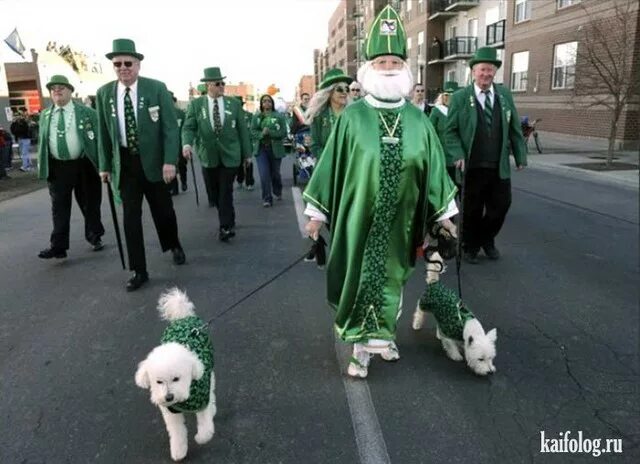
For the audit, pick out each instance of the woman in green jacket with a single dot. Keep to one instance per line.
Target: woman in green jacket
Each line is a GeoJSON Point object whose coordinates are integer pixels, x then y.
{"type": "Point", "coordinates": [438, 118]}
{"type": "Point", "coordinates": [268, 129]}
{"type": "Point", "coordinates": [325, 106]}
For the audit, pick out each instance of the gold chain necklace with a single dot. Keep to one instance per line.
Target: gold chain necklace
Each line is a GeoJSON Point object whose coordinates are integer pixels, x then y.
{"type": "Point", "coordinates": [389, 138]}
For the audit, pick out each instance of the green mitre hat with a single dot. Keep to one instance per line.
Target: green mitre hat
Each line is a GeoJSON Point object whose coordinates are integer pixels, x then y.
{"type": "Point", "coordinates": [386, 36]}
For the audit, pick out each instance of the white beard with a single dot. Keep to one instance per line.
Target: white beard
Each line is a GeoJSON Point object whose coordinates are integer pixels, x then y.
{"type": "Point", "coordinates": [386, 85]}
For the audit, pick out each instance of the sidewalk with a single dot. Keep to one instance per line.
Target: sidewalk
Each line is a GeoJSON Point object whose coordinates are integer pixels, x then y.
{"type": "Point", "coordinates": [561, 153]}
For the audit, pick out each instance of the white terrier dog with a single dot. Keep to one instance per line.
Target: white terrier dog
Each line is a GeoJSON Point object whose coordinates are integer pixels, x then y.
{"type": "Point", "coordinates": [179, 373]}
{"type": "Point", "coordinates": [457, 327]}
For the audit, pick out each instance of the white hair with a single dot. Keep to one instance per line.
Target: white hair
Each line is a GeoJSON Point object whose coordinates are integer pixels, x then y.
{"type": "Point", "coordinates": [317, 104]}
{"type": "Point", "coordinates": [386, 84]}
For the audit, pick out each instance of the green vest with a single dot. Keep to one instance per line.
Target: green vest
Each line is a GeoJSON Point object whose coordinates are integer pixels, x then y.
{"type": "Point", "coordinates": [194, 334]}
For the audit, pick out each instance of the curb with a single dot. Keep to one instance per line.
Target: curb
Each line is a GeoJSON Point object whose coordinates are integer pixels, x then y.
{"type": "Point", "coordinates": [583, 174]}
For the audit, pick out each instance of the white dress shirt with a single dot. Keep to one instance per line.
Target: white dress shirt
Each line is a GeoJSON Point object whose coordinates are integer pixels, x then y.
{"type": "Point", "coordinates": [481, 96]}
{"type": "Point", "coordinates": [220, 109]}
{"type": "Point", "coordinates": [133, 93]}
{"type": "Point", "coordinates": [71, 132]}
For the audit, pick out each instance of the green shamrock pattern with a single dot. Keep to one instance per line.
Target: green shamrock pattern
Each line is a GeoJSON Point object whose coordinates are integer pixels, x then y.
{"type": "Point", "coordinates": [193, 333]}
{"type": "Point", "coordinates": [448, 310]}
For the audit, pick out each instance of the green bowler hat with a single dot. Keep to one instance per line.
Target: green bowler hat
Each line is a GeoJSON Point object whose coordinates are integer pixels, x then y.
{"type": "Point", "coordinates": [450, 86]}
{"type": "Point", "coordinates": [485, 55]}
{"type": "Point", "coordinates": [124, 47]}
{"type": "Point", "coordinates": [334, 76]}
{"type": "Point", "coordinates": [212, 74]}
{"type": "Point", "coordinates": [201, 88]}
{"type": "Point", "coordinates": [59, 79]}
{"type": "Point", "coordinates": [386, 36]}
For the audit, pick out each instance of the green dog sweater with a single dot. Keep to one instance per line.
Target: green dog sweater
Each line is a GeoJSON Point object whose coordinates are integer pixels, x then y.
{"type": "Point", "coordinates": [449, 311]}
{"type": "Point", "coordinates": [193, 333]}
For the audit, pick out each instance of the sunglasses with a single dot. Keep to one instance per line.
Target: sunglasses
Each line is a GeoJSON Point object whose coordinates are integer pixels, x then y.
{"type": "Point", "coordinates": [218, 84]}
{"type": "Point", "coordinates": [341, 89]}
{"type": "Point", "coordinates": [127, 64]}
{"type": "Point", "coordinates": [419, 91]}
{"type": "Point", "coordinates": [355, 90]}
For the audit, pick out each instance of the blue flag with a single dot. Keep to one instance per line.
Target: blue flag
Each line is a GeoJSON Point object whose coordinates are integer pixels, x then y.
{"type": "Point", "coordinates": [15, 43]}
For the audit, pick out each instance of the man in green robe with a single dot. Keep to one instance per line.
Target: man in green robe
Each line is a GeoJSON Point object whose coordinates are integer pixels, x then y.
{"type": "Point", "coordinates": [379, 185]}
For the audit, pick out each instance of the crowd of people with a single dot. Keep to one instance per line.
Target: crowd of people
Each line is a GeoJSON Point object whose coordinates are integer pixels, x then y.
{"type": "Point", "coordinates": [387, 172]}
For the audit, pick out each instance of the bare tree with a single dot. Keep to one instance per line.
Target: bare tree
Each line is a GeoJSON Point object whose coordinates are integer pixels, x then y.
{"type": "Point", "coordinates": [607, 61]}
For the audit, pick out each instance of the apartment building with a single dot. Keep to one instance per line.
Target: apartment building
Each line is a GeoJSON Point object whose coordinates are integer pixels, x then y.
{"type": "Point", "coordinates": [456, 30]}
{"type": "Point", "coordinates": [341, 48]}
{"type": "Point", "coordinates": [544, 62]}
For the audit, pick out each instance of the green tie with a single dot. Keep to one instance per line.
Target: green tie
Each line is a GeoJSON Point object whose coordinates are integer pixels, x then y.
{"type": "Point", "coordinates": [63, 148]}
{"type": "Point", "coordinates": [488, 109]}
{"type": "Point", "coordinates": [217, 124]}
{"type": "Point", "coordinates": [130, 124]}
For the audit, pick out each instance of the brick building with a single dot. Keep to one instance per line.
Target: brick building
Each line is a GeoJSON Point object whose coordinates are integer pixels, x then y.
{"type": "Point", "coordinates": [544, 63]}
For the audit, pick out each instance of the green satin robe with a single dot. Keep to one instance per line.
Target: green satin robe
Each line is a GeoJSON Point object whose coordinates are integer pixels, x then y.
{"type": "Point", "coordinates": [379, 199]}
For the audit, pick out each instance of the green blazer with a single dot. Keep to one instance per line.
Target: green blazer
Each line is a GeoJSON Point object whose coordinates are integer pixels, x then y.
{"type": "Point", "coordinates": [230, 147]}
{"type": "Point", "coordinates": [86, 125]}
{"type": "Point", "coordinates": [462, 122]}
{"type": "Point", "coordinates": [439, 121]}
{"type": "Point", "coordinates": [158, 138]}
{"type": "Point", "coordinates": [321, 129]}
{"type": "Point", "coordinates": [277, 127]}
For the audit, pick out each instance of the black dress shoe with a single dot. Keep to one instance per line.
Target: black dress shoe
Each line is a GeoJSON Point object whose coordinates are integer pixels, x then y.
{"type": "Point", "coordinates": [471, 256]}
{"type": "Point", "coordinates": [97, 245]}
{"type": "Point", "coordinates": [49, 253]}
{"type": "Point", "coordinates": [135, 282]}
{"type": "Point", "coordinates": [491, 251]}
{"type": "Point", "coordinates": [178, 256]}
{"type": "Point", "coordinates": [226, 234]}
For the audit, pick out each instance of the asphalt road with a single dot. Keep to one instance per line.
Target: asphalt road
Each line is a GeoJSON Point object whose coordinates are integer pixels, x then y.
{"type": "Point", "coordinates": [564, 299]}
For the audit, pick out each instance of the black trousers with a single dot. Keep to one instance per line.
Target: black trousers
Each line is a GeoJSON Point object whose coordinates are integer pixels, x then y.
{"type": "Point", "coordinates": [182, 174]}
{"type": "Point", "coordinates": [133, 187]}
{"type": "Point", "coordinates": [245, 175]}
{"type": "Point", "coordinates": [486, 201]}
{"type": "Point", "coordinates": [77, 177]}
{"type": "Point", "coordinates": [219, 183]}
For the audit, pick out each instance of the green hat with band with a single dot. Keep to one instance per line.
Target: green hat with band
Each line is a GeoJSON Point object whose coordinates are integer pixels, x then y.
{"type": "Point", "coordinates": [201, 88]}
{"type": "Point", "coordinates": [334, 76]}
{"type": "Point", "coordinates": [485, 55]}
{"type": "Point", "coordinates": [212, 74]}
{"type": "Point", "coordinates": [450, 86]}
{"type": "Point", "coordinates": [386, 36]}
{"type": "Point", "coordinates": [59, 79]}
{"type": "Point", "coordinates": [124, 47]}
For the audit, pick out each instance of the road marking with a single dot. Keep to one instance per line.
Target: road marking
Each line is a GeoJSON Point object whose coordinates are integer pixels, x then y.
{"type": "Point", "coordinates": [299, 204]}
{"type": "Point", "coordinates": [372, 448]}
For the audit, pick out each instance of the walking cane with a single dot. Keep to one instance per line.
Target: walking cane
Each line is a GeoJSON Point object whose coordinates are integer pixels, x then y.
{"type": "Point", "coordinates": [114, 216]}
{"type": "Point", "coordinates": [195, 184]}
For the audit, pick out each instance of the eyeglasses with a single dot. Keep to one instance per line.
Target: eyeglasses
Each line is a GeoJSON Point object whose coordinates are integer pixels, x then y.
{"type": "Point", "coordinates": [218, 84]}
{"type": "Point", "coordinates": [127, 64]}
{"type": "Point", "coordinates": [355, 90]}
{"type": "Point", "coordinates": [341, 89]}
{"type": "Point", "coordinates": [419, 90]}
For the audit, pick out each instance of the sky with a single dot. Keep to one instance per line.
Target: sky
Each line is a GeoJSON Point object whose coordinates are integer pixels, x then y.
{"type": "Point", "coordinates": [259, 41]}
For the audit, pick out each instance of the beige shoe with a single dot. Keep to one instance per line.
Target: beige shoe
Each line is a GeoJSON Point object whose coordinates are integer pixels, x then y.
{"type": "Point", "coordinates": [359, 362]}
{"type": "Point", "coordinates": [391, 353]}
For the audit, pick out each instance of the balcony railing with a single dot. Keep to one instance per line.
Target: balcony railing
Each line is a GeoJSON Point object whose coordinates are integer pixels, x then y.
{"type": "Point", "coordinates": [461, 5]}
{"type": "Point", "coordinates": [437, 10]}
{"type": "Point", "coordinates": [460, 47]}
{"type": "Point", "coordinates": [495, 34]}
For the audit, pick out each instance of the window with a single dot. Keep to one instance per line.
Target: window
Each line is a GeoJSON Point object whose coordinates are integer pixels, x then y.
{"type": "Point", "coordinates": [522, 11]}
{"type": "Point", "coordinates": [451, 75]}
{"type": "Point", "coordinates": [564, 65]}
{"type": "Point", "coordinates": [420, 6]}
{"type": "Point", "coordinates": [452, 30]}
{"type": "Point", "coordinates": [565, 3]}
{"type": "Point", "coordinates": [421, 48]}
{"type": "Point", "coordinates": [519, 68]}
{"type": "Point", "coordinates": [472, 27]}
{"type": "Point", "coordinates": [408, 45]}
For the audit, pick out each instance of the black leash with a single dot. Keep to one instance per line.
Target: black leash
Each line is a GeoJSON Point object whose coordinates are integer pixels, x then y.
{"type": "Point", "coordinates": [320, 243]}
{"type": "Point", "coordinates": [460, 224]}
